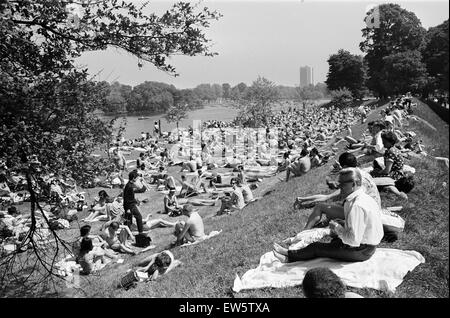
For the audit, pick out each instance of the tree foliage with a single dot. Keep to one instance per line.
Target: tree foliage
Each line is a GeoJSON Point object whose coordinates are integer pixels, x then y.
{"type": "Point", "coordinates": [310, 92]}
{"type": "Point", "coordinates": [346, 70]}
{"type": "Point", "coordinates": [436, 55]}
{"type": "Point", "coordinates": [341, 97]}
{"type": "Point", "coordinates": [399, 31]}
{"type": "Point", "coordinates": [41, 87]}
{"type": "Point", "coordinates": [404, 72]}
{"type": "Point", "coordinates": [47, 104]}
{"type": "Point", "coordinates": [256, 102]}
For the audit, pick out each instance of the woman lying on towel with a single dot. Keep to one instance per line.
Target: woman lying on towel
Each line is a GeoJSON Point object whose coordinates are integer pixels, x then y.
{"type": "Point", "coordinates": [358, 235]}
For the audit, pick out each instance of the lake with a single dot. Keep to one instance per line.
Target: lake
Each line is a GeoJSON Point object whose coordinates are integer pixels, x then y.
{"type": "Point", "coordinates": [134, 126]}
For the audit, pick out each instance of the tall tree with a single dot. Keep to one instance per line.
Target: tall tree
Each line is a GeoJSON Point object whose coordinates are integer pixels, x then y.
{"type": "Point", "coordinates": [151, 97]}
{"type": "Point", "coordinates": [47, 104]}
{"type": "Point", "coordinates": [205, 92]}
{"type": "Point", "coordinates": [176, 113]}
{"type": "Point", "coordinates": [218, 91]}
{"type": "Point", "coordinates": [436, 55]}
{"type": "Point", "coordinates": [346, 70]}
{"type": "Point", "coordinates": [256, 103]}
{"type": "Point", "coordinates": [226, 88]}
{"type": "Point", "coordinates": [398, 31]}
{"type": "Point", "coordinates": [404, 72]}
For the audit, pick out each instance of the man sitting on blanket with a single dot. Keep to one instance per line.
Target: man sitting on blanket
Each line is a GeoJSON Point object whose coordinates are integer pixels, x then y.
{"type": "Point", "coordinates": [192, 229]}
{"type": "Point", "coordinates": [359, 235]}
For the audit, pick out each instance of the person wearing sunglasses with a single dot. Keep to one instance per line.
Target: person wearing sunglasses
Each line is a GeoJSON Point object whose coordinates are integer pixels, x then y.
{"type": "Point", "coordinates": [356, 238]}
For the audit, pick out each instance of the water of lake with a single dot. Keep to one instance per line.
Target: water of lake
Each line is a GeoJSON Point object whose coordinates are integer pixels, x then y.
{"type": "Point", "coordinates": [134, 126]}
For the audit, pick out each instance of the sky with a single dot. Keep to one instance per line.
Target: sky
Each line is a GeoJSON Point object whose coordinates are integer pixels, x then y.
{"type": "Point", "coordinates": [260, 38]}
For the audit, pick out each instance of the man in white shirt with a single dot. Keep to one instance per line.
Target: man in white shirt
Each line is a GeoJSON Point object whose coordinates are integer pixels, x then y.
{"type": "Point", "coordinates": [359, 235]}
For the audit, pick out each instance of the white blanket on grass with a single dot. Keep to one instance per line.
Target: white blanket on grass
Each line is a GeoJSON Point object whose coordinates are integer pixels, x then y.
{"type": "Point", "coordinates": [203, 238]}
{"type": "Point", "coordinates": [385, 270]}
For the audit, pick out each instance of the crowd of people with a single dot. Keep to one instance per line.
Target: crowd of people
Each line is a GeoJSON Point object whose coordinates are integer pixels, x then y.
{"type": "Point", "coordinates": [293, 142]}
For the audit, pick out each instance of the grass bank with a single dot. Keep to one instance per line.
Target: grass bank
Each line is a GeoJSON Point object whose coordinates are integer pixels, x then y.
{"type": "Point", "coordinates": [209, 268]}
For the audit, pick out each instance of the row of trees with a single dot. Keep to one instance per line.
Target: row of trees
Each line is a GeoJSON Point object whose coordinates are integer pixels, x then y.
{"type": "Point", "coordinates": [158, 97]}
{"type": "Point", "coordinates": [400, 56]}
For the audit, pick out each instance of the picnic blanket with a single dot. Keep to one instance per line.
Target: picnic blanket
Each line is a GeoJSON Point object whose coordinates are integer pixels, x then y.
{"type": "Point", "coordinates": [385, 270]}
{"type": "Point", "coordinates": [204, 238]}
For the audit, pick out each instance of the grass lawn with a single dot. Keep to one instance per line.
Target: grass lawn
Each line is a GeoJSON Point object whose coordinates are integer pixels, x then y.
{"type": "Point", "coordinates": [209, 268]}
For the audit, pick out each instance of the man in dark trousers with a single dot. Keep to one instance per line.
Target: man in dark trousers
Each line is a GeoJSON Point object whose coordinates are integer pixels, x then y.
{"type": "Point", "coordinates": [130, 204]}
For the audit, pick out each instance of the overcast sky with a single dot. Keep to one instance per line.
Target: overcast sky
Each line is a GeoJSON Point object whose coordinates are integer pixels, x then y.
{"type": "Point", "coordinates": [266, 38]}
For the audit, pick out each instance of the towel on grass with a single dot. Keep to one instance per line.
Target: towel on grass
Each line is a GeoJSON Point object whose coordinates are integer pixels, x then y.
{"type": "Point", "coordinates": [385, 270]}
{"type": "Point", "coordinates": [204, 238]}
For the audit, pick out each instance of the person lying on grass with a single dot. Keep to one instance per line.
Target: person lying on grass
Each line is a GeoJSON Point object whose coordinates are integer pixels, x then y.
{"type": "Point", "coordinates": [346, 160]}
{"type": "Point", "coordinates": [117, 240]}
{"type": "Point", "coordinates": [152, 224]}
{"type": "Point", "coordinates": [356, 237]}
{"type": "Point", "coordinates": [157, 264]}
{"type": "Point", "coordinates": [192, 229]}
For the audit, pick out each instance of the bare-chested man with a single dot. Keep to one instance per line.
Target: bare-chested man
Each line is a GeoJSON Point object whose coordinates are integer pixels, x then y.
{"type": "Point", "coordinates": [192, 229]}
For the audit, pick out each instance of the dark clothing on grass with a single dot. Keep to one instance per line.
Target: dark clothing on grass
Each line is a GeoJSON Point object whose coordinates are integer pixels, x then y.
{"type": "Point", "coordinates": [336, 249]}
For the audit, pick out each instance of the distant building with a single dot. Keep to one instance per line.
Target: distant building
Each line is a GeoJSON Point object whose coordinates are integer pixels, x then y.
{"type": "Point", "coordinates": [306, 76]}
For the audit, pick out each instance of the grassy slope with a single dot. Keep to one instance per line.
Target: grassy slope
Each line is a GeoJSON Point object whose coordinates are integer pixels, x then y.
{"type": "Point", "coordinates": [209, 268]}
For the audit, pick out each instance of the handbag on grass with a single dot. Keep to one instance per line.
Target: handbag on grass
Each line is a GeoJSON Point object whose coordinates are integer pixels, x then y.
{"type": "Point", "coordinates": [142, 240]}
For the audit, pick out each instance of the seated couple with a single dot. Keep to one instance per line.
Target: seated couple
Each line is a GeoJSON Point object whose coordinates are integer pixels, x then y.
{"type": "Point", "coordinates": [355, 238]}
{"type": "Point", "coordinates": [238, 199]}
{"type": "Point", "coordinates": [89, 249]}
{"type": "Point", "coordinates": [346, 160]}
{"type": "Point", "coordinates": [105, 208]}
{"type": "Point", "coordinates": [375, 147]}
{"type": "Point", "coordinates": [300, 166]}
{"type": "Point", "coordinates": [117, 236]}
